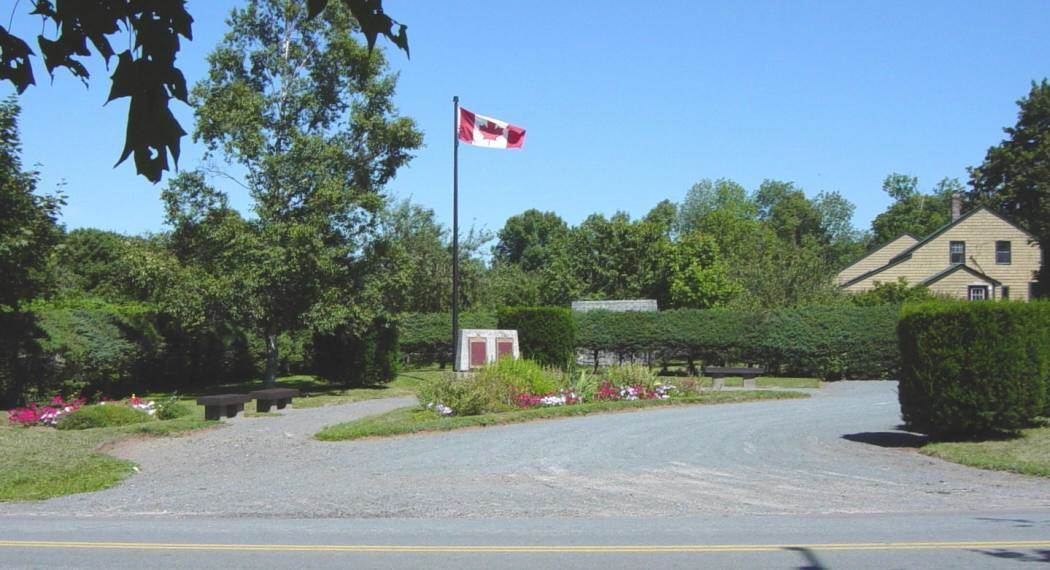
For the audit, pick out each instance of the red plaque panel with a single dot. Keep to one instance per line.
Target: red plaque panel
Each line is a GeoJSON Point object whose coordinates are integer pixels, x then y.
{"type": "Point", "coordinates": [504, 348]}
{"type": "Point", "coordinates": [477, 353]}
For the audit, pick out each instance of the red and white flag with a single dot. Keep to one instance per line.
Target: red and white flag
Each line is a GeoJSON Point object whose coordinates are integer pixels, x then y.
{"type": "Point", "coordinates": [480, 130]}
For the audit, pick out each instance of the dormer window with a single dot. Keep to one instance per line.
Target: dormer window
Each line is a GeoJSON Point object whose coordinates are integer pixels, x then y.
{"type": "Point", "coordinates": [1002, 252]}
{"type": "Point", "coordinates": [957, 252]}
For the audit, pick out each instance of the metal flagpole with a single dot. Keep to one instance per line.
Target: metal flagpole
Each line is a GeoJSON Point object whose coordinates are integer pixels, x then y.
{"type": "Point", "coordinates": [455, 232]}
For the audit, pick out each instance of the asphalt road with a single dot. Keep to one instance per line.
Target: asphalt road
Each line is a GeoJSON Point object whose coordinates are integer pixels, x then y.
{"type": "Point", "coordinates": [823, 482]}
{"type": "Point", "coordinates": [990, 540]}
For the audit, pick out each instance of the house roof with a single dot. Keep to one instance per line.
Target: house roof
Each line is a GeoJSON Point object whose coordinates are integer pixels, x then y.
{"type": "Point", "coordinates": [960, 267]}
{"type": "Point", "coordinates": [907, 253]}
{"type": "Point", "coordinates": [878, 249]}
{"type": "Point", "coordinates": [863, 276]}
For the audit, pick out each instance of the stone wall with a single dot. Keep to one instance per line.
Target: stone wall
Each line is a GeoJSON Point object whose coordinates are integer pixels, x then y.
{"type": "Point", "coordinates": [618, 306]}
{"type": "Point", "coordinates": [586, 357]}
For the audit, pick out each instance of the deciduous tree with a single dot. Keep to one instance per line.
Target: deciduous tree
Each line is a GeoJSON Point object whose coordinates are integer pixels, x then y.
{"type": "Point", "coordinates": [307, 113]}
{"type": "Point", "coordinates": [1014, 178]}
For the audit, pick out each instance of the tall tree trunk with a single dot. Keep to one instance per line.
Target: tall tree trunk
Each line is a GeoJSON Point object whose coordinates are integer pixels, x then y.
{"type": "Point", "coordinates": [270, 380]}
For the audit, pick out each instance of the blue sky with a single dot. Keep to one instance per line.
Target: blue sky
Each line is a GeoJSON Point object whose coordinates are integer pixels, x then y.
{"type": "Point", "coordinates": [626, 103]}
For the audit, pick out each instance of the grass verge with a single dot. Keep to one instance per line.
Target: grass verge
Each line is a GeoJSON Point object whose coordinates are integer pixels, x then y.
{"type": "Point", "coordinates": [414, 420]}
{"type": "Point", "coordinates": [317, 392]}
{"type": "Point", "coordinates": [1028, 454]}
{"type": "Point", "coordinates": [765, 382]}
{"type": "Point", "coordinates": [40, 462]}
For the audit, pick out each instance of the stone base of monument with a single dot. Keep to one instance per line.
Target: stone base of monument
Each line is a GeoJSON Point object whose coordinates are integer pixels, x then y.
{"type": "Point", "coordinates": [477, 347]}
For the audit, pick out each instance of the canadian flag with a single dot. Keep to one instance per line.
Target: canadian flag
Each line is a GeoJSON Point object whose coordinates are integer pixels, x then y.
{"type": "Point", "coordinates": [480, 130]}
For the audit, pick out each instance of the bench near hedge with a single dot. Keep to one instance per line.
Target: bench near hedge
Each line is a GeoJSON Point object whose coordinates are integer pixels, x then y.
{"type": "Point", "coordinates": [279, 397]}
{"type": "Point", "coordinates": [718, 376]}
{"type": "Point", "coordinates": [219, 405]}
{"type": "Point", "coordinates": [229, 405]}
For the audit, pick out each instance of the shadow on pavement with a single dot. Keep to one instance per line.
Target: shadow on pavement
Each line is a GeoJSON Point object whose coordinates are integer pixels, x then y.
{"type": "Point", "coordinates": [1030, 556]}
{"type": "Point", "coordinates": [812, 562]}
{"type": "Point", "coordinates": [1019, 523]}
{"type": "Point", "coordinates": [888, 438]}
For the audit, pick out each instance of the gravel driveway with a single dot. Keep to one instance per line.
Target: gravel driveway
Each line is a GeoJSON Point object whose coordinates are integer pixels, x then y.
{"type": "Point", "coordinates": [826, 454]}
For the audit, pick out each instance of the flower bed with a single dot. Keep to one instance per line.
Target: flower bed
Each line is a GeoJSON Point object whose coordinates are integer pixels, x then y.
{"type": "Point", "coordinates": [35, 414]}
{"type": "Point", "coordinates": [43, 414]}
{"type": "Point", "coordinates": [509, 385]}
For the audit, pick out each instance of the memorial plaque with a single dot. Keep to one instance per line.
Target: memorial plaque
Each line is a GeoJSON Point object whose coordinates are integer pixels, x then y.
{"type": "Point", "coordinates": [476, 348]}
{"type": "Point", "coordinates": [478, 354]}
{"type": "Point", "coordinates": [504, 348]}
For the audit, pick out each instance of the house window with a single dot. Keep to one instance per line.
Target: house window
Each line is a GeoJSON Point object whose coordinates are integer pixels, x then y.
{"type": "Point", "coordinates": [1031, 291]}
{"type": "Point", "coordinates": [957, 252]}
{"type": "Point", "coordinates": [977, 292]}
{"type": "Point", "coordinates": [1006, 292]}
{"type": "Point", "coordinates": [1002, 252]}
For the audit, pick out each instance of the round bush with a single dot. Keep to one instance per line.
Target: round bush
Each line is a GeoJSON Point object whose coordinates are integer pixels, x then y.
{"type": "Point", "coordinates": [109, 415]}
{"type": "Point", "coordinates": [973, 368]}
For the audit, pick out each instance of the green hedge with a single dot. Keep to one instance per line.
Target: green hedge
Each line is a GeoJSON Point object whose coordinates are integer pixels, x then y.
{"type": "Point", "coordinates": [362, 358]}
{"type": "Point", "coordinates": [833, 342]}
{"type": "Point", "coordinates": [93, 347]}
{"type": "Point", "coordinates": [546, 335]}
{"type": "Point", "coordinates": [829, 342]}
{"type": "Point", "coordinates": [973, 368]}
{"type": "Point", "coordinates": [427, 337]}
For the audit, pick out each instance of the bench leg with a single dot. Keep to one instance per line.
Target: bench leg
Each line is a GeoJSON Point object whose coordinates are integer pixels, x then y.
{"type": "Point", "coordinates": [263, 406]}
{"type": "Point", "coordinates": [232, 409]}
{"type": "Point", "coordinates": [212, 412]}
{"type": "Point", "coordinates": [750, 383]}
{"type": "Point", "coordinates": [282, 403]}
{"type": "Point", "coordinates": [718, 383]}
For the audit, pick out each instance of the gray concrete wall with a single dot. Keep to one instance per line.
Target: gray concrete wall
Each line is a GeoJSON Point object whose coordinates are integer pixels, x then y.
{"type": "Point", "coordinates": [618, 306]}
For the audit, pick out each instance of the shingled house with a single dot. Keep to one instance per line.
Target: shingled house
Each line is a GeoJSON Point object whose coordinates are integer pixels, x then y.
{"type": "Point", "coordinates": [979, 255]}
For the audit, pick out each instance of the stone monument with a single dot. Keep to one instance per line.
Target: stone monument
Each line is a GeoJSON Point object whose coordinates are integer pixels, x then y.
{"type": "Point", "coordinates": [477, 347]}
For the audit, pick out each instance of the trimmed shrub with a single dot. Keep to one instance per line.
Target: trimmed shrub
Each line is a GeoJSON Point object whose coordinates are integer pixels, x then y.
{"type": "Point", "coordinates": [427, 337]}
{"type": "Point", "coordinates": [100, 416]}
{"type": "Point", "coordinates": [973, 368]}
{"type": "Point", "coordinates": [832, 342]}
{"type": "Point", "coordinates": [623, 333]}
{"type": "Point", "coordinates": [713, 336]}
{"type": "Point", "coordinates": [355, 358]}
{"type": "Point", "coordinates": [545, 334]}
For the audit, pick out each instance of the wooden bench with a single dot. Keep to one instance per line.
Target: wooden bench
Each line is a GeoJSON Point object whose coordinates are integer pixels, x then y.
{"type": "Point", "coordinates": [223, 404]}
{"type": "Point", "coordinates": [279, 397]}
{"type": "Point", "coordinates": [718, 376]}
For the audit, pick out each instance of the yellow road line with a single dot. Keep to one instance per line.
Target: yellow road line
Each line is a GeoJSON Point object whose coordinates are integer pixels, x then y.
{"type": "Point", "coordinates": [533, 549]}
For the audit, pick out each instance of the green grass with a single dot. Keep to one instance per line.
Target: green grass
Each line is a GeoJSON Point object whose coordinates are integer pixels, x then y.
{"type": "Point", "coordinates": [414, 420]}
{"type": "Point", "coordinates": [1029, 453]}
{"type": "Point", "coordinates": [766, 382]}
{"type": "Point", "coordinates": [40, 462]}
{"type": "Point", "coordinates": [317, 392]}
